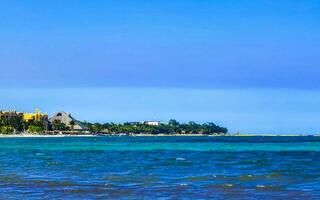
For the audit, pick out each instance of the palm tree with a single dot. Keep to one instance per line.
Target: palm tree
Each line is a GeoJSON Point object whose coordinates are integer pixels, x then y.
{"type": "Point", "coordinates": [72, 124]}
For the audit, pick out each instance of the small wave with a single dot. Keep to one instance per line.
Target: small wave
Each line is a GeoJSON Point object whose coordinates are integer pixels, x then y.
{"type": "Point", "coordinates": [181, 159]}
{"type": "Point", "coordinates": [229, 185]}
{"type": "Point", "coordinates": [269, 187]}
{"type": "Point", "coordinates": [248, 177]}
{"type": "Point", "coordinates": [40, 154]}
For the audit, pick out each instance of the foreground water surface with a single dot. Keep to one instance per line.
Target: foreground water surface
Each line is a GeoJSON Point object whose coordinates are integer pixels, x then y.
{"type": "Point", "coordinates": [160, 168]}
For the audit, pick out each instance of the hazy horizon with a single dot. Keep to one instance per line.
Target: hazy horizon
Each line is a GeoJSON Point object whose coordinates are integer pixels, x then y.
{"type": "Point", "coordinates": [244, 111]}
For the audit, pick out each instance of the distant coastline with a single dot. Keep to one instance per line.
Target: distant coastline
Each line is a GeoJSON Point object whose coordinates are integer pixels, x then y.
{"type": "Point", "coordinates": [37, 123]}
{"type": "Point", "coordinates": [44, 135]}
{"type": "Point", "coordinates": [63, 124]}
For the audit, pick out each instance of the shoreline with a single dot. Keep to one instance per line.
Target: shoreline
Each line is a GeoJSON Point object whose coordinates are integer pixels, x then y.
{"type": "Point", "coordinates": [150, 135]}
{"type": "Point", "coordinates": [44, 135]}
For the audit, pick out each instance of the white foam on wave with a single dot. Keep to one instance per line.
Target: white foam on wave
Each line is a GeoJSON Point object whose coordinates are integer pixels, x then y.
{"type": "Point", "coordinates": [261, 186]}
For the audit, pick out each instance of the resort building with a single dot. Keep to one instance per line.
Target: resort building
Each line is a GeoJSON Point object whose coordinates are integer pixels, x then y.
{"type": "Point", "coordinates": [68, 120]}
{"type": "Point", "coordinates": [7, 115]}
{"type": "Point", "coordinates": [37, 116]}
{"type": "Point", "coordinates": [152, 123]}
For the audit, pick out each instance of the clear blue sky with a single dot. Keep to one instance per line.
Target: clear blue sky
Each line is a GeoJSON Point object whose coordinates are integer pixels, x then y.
{"type": "Point", "coordinates": [250, 65]}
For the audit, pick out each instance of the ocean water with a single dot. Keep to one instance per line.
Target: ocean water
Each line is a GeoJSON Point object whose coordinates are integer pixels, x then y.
{"type": "Point", "coordinates": [160, 168]}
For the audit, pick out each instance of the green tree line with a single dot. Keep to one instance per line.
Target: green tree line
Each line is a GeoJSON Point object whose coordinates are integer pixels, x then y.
{"type": "Point", "coordinates": [173, 127]}
{"type": "Point", "coordinates": [17, 125]}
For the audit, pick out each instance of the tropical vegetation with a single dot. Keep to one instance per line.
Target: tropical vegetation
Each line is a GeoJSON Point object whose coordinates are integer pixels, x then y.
{"type": "Point", "coordinates": [17, 125]}
{"type": "Point", "coordinates": [173, 127]}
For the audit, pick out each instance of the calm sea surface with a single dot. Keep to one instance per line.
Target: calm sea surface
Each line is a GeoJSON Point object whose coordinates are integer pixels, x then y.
{"type": "Point", "coordinates": [160, 168]}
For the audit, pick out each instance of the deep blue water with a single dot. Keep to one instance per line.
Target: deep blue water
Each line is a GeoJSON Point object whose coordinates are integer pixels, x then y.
{"type": "Point", "coordinates": [160, 168]}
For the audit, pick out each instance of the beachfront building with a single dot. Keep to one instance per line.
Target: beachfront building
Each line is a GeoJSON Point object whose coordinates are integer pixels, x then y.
{"type": "Point", "coordinates": [68, 120]}
{"type": "Point", "coordinates": [36, 116]}
{"type": "Point", "coordinates": [12, 114]}
{"type": "Point", "coordinates": [152, 123]}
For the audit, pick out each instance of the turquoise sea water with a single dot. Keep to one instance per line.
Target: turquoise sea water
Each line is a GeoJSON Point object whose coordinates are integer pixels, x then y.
{"type": "Point", "coordinates": [160, 168]}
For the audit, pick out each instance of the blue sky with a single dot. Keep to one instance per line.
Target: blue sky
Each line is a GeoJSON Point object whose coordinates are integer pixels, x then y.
{"type": "Point", "coordinates": [250, 65]}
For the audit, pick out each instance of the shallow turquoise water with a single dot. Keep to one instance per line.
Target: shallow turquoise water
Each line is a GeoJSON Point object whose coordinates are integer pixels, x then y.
{"type": "Point", "coordinates": [160, 168]}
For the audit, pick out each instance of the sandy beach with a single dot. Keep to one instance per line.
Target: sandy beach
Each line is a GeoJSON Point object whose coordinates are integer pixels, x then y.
{"type": "Point", "coordinates": [36, 135]}
{"type": "Point", "coordinates": [151, 135]}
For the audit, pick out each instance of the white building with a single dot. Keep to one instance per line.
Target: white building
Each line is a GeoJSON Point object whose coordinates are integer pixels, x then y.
{"type": "Point", "coordinates": [152, 123]}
